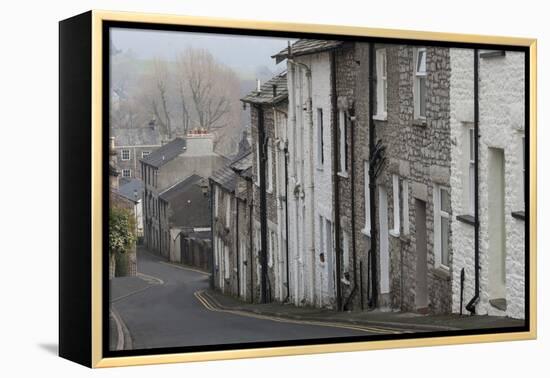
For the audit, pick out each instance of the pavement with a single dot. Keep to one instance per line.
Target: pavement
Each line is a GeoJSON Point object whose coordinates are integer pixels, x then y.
{"type": "Point", "coordinates": [169, 305]}
{"type": "Point", "coordinates": [401, 321]}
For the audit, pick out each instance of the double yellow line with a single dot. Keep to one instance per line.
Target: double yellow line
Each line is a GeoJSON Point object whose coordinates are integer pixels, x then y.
{"type": "Point", "coordinates": [212, 305]}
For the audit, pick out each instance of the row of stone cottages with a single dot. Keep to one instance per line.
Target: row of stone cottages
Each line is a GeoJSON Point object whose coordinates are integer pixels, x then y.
{"type": "Point", "coordinates": [403, 192]}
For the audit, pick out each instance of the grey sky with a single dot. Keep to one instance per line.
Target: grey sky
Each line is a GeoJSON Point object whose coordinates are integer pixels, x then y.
{"type": "Point", "coordinates": [242, 53]}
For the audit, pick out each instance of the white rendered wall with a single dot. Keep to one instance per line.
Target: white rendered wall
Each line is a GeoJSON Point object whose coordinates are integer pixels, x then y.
{"type": "Point", "coordinates": [501, 107]}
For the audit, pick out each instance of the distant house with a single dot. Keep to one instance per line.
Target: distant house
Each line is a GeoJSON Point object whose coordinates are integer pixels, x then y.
{"type": "Point", "coordinates": [165, 167]}
{"type": "Point", "coordinates": [133, 144]}
{"type": "Point", "coordinates": [187, 217]}
{"type": "Point", "coordinates": [120, 265]}
{"type": "Point", "coordinates": [132, 189]}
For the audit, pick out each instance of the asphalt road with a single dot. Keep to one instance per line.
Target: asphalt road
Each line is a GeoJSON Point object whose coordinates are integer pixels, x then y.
{"type": "Point", "coordinates": [160, 309]}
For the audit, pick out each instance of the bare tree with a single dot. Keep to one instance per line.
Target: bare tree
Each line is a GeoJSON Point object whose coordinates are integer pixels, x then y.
{"type": "Point", "coordinates": [213, 87]}
{"type": "Point", "coordinates": [161, 112]}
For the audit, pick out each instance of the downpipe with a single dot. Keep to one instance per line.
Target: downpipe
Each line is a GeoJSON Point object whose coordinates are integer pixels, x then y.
{"type": "Point", "coordinates": [471, 306]}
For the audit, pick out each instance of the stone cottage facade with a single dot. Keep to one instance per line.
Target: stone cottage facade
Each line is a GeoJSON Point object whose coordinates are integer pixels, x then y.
{"type": "Point", "coordinates": [133, 144]}
{"type": "Point", "coordinates": [501, 175]}
{"type": "Point", "coordinates": [269, 114]}
{"type": "Point", "coordinates": [235, 261]}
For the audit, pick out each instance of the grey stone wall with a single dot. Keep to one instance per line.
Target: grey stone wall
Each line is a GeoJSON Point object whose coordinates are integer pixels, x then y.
{"type": "Point", "coordinates": [271, 196]}
{"type": "Point", "coordinates": [425, 149]}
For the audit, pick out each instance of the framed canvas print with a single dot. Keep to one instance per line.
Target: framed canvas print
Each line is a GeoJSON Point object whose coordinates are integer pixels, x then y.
{"type": "Point", "coordinates": [234, 189]}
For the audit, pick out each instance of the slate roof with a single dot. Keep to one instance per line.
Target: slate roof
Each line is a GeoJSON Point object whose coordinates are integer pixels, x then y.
{"type": "Point", "coordinates": [188, 204]}
{"type": "Point", "coordinates": [265, 95]}
{"type": "Point", "coordinates": [226, 178]}
{"type": "Point", "coordinates": [307, 46]}
{"type": "Point", "coordinates": [166, 153]}
{"type": "Point", "coordinates": [242, 163]}
{"type": "Point", "coordinates": [128, 187]}
{"type": "Point", "coordinates": [136, 136]}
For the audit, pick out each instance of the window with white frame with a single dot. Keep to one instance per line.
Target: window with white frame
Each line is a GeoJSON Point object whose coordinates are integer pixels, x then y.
{"type": "Point", "coordinates": [442, 218]}
{"type": "Point", "coordinates": [342, 146]}
{"type": "Point", "coordinates": [322, 236]}
{"type": "Point", "coordinates": [216, 199]}
{"type": "Point", "coordinates": [227, 210]}
{"type": "Point", "coordinates": [125, 154]}
{"type": "Point", "coordinates": [420, 83]}
{"type": "Point", "coordinates": [345, 252]}
{"type": "Point", "coordinates": [396, 207]}
{"type": "Point", "coordinates": [226, 270]}
{"type": "Point", "coordinates": [320, 138]}
{"type": "Point", "coordinates": [145, 154]}
{"type": "Point", "coordinates": [381, 84]}
{"type": "Point", "coordinates": [126, 173]}
{"type": "Point", "coordinates": [271, 249]}
{"type": "Point", "coordinates": [366, 190]}
{"type": "Point", "coordinates": [269, 162]}
{"type": "Point", "coordinates": [257, 163]}
{"type": "Point", "coordinates": [471, 170]}
{"type": "Point", "coordinates": [405, 200]}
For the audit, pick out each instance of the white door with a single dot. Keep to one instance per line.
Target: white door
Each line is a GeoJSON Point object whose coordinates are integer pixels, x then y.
{"type": "Point", "coordinates": [330, 261]}
{"type": "Point", "coordinates": [384, 242]}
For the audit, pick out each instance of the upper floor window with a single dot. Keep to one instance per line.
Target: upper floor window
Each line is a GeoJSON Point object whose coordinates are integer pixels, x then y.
{"type": "Point", "coordinates": [126, 173]}
{"type": "Point", "coordinates": [320, 138]}
{"type": "Point", "coordinates": [257, 152]}
{"type": "Point", "coordinates": [342, 143]}
{"type": "Point", "coordinates": [145, 154]}
{"type": "Point", "coordinates": [228, 210]}
{"type": "Point", "coordinates": [125, 154]}
{"type": "Point", "coordinates": [381, 84]}
{"type": "Point", "coordinates": [420, 83]}
{"type": "Point", "coordinates": [269, 162]}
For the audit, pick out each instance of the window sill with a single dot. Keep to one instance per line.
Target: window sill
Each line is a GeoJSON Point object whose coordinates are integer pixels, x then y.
{"type": "Point", "coordinates": [380, 117]}
{"type": "Point", "coordinates": [518, 215]}
{"type": "Point", "coordinates": [466, 218]}
{"type": "Point", "coordinates": [394, 233]}
{"type": "Point", "coordinates": [320, 168]}
{"type": "Point", "coordinates": [366, 232]}
{"type": "Point", "coordinates": [419, 122]}
{"type": "Point", "coordinates": [442, 272]}
{"type": "Point", "coordinates": [343, 174]}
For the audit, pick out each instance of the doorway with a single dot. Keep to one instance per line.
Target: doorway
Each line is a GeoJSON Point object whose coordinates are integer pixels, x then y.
{"type": "Point", "coordinates": [421, 293]}
{"type": "Point", "coordinates": [384, 241]}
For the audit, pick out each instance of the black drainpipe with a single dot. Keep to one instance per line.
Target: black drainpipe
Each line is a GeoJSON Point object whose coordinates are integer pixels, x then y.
{"type": "Point", "coordinates": [286, 226]}
{"type": "Point", "coordinates": [237, 246]}
{"type": "Point", "coordinates": [471, 306]}
{"type": "Point", "coordinates": [211, 208]}
{"type": "Point", "coordinates": [251, 249]}
{"type": "Point", "coordinates": [334, 110]}
{"type": "Point", "coordinates": [263, 206]}
{"type": "Point", "coordinates": [352, 178]}
{"type": "Point", "coordinates": [372, 185]}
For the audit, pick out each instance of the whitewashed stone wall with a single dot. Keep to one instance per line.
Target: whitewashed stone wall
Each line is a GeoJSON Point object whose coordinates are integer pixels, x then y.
{"type": "Point", "coordinates": [501, 95]}
{"type": "Point", "coordinates": [309, 275]}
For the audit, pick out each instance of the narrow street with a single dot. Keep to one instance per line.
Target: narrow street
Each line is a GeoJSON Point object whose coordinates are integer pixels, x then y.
{"type": "Point", "coordinates": [166, 307]}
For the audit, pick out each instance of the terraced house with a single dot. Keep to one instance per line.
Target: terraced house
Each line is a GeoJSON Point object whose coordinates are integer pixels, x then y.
{"type": "Point", "coordinates": [388, 176]}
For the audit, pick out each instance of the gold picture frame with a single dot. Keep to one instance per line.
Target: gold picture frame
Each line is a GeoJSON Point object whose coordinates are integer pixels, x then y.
{"type": "Point", "coordinates": [96, 19]}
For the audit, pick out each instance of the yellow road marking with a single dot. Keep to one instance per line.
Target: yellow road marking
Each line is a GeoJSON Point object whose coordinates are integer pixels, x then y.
{"type": "Point", "coordinates": [204, 298]}
{"type": "Point", "coordinates": [184, 267]}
